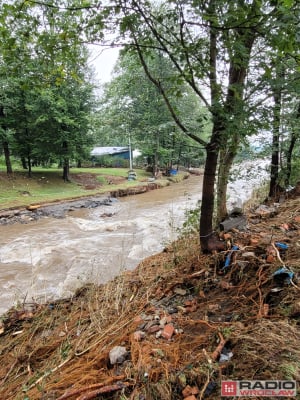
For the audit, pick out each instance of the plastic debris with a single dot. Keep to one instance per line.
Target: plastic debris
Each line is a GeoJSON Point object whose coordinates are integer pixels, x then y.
{"type": "Point", "coordinates": [117, 355]}
{"type": "Point", "coordinates": [228, 258]}
{"type": "Point", "coordinates": [284, 274]}
{"type": "Point", "coordinates": [211, 387]}
{"type": "Point", "coordinates": [225, 355]}
{"type": "Point", "coordinates": [281, 246]}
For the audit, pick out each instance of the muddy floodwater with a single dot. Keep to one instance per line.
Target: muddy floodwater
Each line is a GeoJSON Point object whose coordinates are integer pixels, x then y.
{"type": "Point", "coordinates": [50, 258]}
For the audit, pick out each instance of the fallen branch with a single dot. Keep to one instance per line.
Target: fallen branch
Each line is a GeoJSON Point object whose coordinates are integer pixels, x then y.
{"type": "Point", "coordinates": [105, 389]}
{"type": "Point", "coordinates": [95, 386]}
{"type": "Point", "coordinates": [205, 386]}
{"type": "Point", "coordinates": [277, 253]}
{"type": "Point", "coordinates": [219, 348]}
{"type": "Point", "coordinates": [198, 273]}
{"type": "Point", "coordinates": [50, 372]}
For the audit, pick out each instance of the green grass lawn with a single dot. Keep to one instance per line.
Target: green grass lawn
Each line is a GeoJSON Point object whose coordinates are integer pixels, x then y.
{"type": "Point", "coordinates": [47, 185]}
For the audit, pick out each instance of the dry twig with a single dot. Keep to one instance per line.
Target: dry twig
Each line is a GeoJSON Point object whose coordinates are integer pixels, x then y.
{"type": "Point", "coordinates": [219, 348]}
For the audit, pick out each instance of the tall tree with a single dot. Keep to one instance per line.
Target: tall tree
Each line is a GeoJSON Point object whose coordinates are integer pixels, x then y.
{"type": "Point", "coordinates": [131, 104]}
{"type": "Point", "coordinates": [210, 44]}
{"type": "Point", "coordinates": [42, 60]}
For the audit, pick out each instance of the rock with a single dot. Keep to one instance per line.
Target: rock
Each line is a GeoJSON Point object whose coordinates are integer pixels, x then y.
{"type": "Point", "coordinates": [181, 292]}
{"type": "Point", "coordinates": [264, 211]}
{"type": "Point", "coordinates": [168, 331]}
{"type": "Point", "coordinates": [172, 310]}
{"type": "Point", "coordinates": [248, 254]}
{"type": "Point", "coordinates": [150, 324]}
{"type": "Point", "coordinates": [154, 329]}
{"type": "Point", "coordinates": [239, 223]}
{"type": "Point", "coordinates": [138, 336]}
{"type": "Point", "coordinates": [165, 320]}
{"type": "Point", "coordinates": [117, 355]}
{"type": "Point", "coordinates": [188, 391]}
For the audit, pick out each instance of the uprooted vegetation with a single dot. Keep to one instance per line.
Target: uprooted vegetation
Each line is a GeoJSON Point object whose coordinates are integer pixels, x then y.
{"type": "Point", "coordinates": [183, 322]}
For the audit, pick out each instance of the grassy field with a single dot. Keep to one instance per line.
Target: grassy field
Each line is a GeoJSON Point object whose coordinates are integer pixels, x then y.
{"type": "Point", "coordinates": [47, 185]}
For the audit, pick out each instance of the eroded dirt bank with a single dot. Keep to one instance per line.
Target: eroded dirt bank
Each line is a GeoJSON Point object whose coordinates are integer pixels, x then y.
{"type": "Point", "coordinates": [181, 322]}
{"type": "Point", "coordinates": [59, 209]}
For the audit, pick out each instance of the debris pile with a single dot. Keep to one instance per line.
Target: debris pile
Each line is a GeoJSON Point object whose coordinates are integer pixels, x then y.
{"type": "Point", "coordinates": [174, 328]}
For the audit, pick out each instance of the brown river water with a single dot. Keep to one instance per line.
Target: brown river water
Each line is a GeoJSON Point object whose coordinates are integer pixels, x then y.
{"type": "Point", "coordinates": [50, 258]}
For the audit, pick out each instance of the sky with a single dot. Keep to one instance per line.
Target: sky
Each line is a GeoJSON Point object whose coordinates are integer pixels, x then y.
{"type": "Point", "coordinates": [103, 60]}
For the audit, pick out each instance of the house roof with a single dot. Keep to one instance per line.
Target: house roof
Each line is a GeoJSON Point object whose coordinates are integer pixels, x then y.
{"type": "Point", "coordinates": [101, 151]}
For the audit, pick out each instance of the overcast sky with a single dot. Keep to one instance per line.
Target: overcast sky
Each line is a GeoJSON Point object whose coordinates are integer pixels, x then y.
{"type": "Point", "coordinates": [103, 60]}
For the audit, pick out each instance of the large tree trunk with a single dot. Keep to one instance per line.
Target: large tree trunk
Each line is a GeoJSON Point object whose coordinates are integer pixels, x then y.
{"type": "Point", "coordinates": [207, 204]}
{"type": "Point", "coordinates": [7, 157]}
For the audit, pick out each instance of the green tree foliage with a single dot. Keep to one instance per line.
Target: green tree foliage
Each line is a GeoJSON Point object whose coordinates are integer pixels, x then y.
{"type": "Point", "coordinates": [47, 97]}
{"type": "Point", "coordinates": [131, 104]}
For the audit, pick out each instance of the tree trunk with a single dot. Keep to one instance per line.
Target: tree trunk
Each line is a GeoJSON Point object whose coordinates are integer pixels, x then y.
{"type": "Point", "coordinates": [290, 152]}
{"type": "Point", "coordinates": [24, 164]}
{"type": "Point", "coordinates": [7, 158]}
{"type": "Point", "coordinates": [225, 163]}
{"type": "Point", "coordinates": [5, 143]}
{"type": "Point", "coordinates": [289, 159]}
{"type": "Point", "coordinates": [66, 170]}
{"type": "Point", "coordinates": [66, 164]}
{"type": "Point", "coordinates": [275, 143]}
{"type": "Point", "coordinates": [29, 167]}
{"type": "Point", "coordinates": [207, 204]}
{"type": "Point", "coordinates": [155, 158]}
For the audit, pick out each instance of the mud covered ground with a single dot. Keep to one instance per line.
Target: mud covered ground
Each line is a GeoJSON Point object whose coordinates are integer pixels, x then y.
{"type": "Point", "coordinates": [174, 328]}
{"type": "Point", "coordinates": [55, 210]}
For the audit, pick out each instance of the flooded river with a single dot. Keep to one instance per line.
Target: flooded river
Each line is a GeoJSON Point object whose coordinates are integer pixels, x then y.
{"type": "Point", "coordinates": [51, 258]}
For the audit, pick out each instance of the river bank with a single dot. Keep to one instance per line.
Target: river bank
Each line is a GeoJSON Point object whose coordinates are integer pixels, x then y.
{"type": "Point", "coordinates": [174, 328]}
{"type": "Point", "coordinates": [59, 207]}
